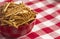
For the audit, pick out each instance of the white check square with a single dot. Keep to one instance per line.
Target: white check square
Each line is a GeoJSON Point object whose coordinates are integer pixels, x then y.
{"type": "Point", "coordinates": [40, 4]}
{"type": "Point", "coordinates": [58, 31]}
{"type": "Point", "coordinates": [35, 28]}
{"type": "Point", "coordinates": [18, 2]}
{"type": "Point", "coordinates": [46, 36]}
{"type": "Point", "coordinates": [2, 0]}
{"type": "Point", "coordinates": [48, 23]}
{"type": "Point", "coordinates": [31, 0]}
{"type": "Point", "coordinates": [49, 11]}
{"type": "Point", "coordinates": [39, 16]}
{"type": "Point", "coordinates": [58, 5]}
{"type": "Point", "coordinates": [58, 17]}
{"type": "Point", "coordinates": [50, 1]}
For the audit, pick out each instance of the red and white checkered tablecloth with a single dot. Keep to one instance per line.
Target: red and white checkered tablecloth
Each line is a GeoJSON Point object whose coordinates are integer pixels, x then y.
{"type": "Point", "coordinates": [47, 24]}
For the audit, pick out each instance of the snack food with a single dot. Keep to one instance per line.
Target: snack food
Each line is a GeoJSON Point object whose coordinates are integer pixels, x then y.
{"type": "Point", "coordinates": [16, 19]}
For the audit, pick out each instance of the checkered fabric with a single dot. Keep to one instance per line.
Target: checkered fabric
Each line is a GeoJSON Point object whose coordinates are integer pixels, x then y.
{"type": "Point", "coordinates": [47, 23]}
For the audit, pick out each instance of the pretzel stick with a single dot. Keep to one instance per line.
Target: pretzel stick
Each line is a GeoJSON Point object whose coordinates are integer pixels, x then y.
{"type": "Point", "coordinates": [6, 6]}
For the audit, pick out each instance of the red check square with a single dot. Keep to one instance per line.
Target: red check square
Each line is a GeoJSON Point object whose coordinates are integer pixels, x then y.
{"type": "Point", "coordinates": [38, 10]}
{"type": "Point", "coordinates": [33, 35]}
{"type": "Point", "coordinates": [40, 0]}
{"type": "Point", "coordinates": [47, 30]}
{"type": "Point", "coordinates": [49, 17]}
{"type": "Point", "coordinates": [37, 21]}
{"type": "Point", "coordinates": [8, 0]}
{"type": "Point", "coordinates": [58, 11]}
{"type": "Point", "coordinates": [29, 3]}
{"type": "Point", "coordinates": [57, 37]}
{"type": "Point", "coordinates": [50, 5]}
{"type": "Point", "coordinates": [58, 24]}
